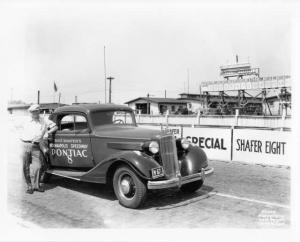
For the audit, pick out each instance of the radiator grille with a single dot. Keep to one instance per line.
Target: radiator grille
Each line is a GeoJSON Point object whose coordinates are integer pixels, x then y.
{"type": "Point", "coordinates": [168, 154]}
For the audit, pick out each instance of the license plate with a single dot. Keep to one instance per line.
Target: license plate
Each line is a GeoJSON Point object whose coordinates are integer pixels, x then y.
{"type": "Point", "coordinates": [157, 172]}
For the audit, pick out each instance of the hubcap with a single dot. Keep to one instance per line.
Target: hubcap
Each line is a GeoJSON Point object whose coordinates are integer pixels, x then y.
{"type": "Point", "coordinates": [127, 186]}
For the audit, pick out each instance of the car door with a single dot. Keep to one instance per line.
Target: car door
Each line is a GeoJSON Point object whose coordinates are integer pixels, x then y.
{"type": "Point", "coordinates": [71, 144]}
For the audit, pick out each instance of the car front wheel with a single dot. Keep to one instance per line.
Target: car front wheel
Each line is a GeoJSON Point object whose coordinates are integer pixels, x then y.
{"type": "Point", "coordinates": [191, 187]}
{"type": "Point", "coordinates": [129, 188]}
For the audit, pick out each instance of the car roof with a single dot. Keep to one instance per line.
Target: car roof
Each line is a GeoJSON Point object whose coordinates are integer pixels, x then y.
{"type": "Point", "coordinates": [87, 108]}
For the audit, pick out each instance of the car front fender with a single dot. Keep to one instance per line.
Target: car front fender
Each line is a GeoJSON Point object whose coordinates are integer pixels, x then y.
{"type": "Point", "coordinates": [192, 161]}
{"type": "Point", "coordinates": [138, 161]}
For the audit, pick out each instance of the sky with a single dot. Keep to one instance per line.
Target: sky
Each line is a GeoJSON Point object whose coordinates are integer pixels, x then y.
{"type": "Point", "coordinates": [150, 47]}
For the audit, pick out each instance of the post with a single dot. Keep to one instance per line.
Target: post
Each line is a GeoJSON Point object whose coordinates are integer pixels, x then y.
{"type": "Point", "coordinates": [165, 93]}
{"type": "Point", "coordinates": [139, 115]}
{"type": "Point", "coordinates": [148, 104]}
{"type": "Point", "coordinates": [167, 118]}
{"type": "Point", "coordinates": [109, 90]}
{"type": "Point", "coordinates": [283, 116]}
{"type": "Point", "coordinates": [38, 97]}
{"type": "Point", "coordinates": [236, 117]}
{"type": "Point", "coordinates": [198, 116]}
{"type": "Point", "coordinates": [110, 78]}
{"type": "Point", "coordinates": [59, 95]}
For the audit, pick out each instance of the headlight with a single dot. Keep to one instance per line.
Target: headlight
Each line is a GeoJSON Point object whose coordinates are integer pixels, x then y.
{"type": "Point", "coordinates": [153, 147]}
{"type": "Point", "coordinates": [185, 144]}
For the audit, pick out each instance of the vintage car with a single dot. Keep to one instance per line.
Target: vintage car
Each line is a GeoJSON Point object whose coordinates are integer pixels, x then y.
{"type": "Point", "coordinates": [101, 143]}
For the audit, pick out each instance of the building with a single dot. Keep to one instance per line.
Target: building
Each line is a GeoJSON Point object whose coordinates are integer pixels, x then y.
{"type": "Point", "coordinates": [241, 88]}
{"type": "Point", "coordinates": [221, 104]}
{"type": "Point", "coordinates": [21, 109]}
{"type": "Point", "coordinates": [18, 109]}
{"type": "Point", "coordinates": [238, 70]}
{"type": "Point", "coordinates": [150, 105]}
{"type": "Point", "coordinates": [195, 102]}
{"type": "Point", "coordinates": [190, 103]}
{"type": "Point", "coordinates": [242, 79]}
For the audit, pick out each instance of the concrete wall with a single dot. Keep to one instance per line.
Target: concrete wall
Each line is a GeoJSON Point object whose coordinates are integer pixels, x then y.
{"type": "Point", "coordinates": [228, 120]}
{"type": "Point", "coordinates": [250, 145]}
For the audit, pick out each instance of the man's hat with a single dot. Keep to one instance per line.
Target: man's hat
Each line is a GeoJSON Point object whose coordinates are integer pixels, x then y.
{"type": "Point", "coordinates": [34, 108]}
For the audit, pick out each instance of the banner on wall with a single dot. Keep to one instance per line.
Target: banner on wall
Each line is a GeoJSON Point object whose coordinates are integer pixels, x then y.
{"type": "Point", "coordinates": [175, 130]}
{"type": "Point", "coordinates": [247, 145]}
{"type": "Point", "coordinates": [261, 146]}
{"type": "Point", "coordinates": [215, 142]}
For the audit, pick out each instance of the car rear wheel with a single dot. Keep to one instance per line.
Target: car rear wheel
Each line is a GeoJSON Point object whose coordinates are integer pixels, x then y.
{"type": "Point", "coordinates": [191, 187]}
{"type": "Point", "coordinates": [129, 188]}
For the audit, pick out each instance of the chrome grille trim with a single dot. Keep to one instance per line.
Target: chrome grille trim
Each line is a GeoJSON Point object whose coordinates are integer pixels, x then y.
{"type": "Point", "coordinates": [168, 153]}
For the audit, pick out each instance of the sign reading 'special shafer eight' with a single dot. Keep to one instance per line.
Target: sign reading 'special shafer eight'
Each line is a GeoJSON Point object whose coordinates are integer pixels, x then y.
{"type": "Point", "coordinates": [261, 145]}
{"type": "Point", "coordinates": [215, 142]}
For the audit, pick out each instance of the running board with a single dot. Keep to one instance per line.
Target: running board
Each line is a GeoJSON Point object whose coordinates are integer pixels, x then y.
{"type": "Point", "coordinates": [76, 175]}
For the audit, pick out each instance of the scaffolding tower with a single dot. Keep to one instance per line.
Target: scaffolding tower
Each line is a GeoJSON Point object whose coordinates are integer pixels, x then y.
{"type": "Point", "coordinates": [242, 78]}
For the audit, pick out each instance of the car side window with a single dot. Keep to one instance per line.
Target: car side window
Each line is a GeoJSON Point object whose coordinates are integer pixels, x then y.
{"type": "Point", "coordinates": [73, 123]}
{"type": "Point", "coordinates": [80, 123]}
{"type": "Point", "coordinates": [67, 123]}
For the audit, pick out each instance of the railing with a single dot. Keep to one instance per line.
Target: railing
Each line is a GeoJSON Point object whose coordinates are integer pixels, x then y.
{"type": "Point", "coordinates": [217, 120]}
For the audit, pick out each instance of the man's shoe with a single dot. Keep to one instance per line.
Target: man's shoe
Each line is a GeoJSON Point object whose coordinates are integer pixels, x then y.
{"type": "Point", "coordinates": [40, 189]}
{"type": "Point", "coordinates": [29, 190]}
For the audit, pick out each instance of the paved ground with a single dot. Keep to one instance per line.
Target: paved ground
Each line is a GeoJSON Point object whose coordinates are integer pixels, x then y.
{"type": "Point", "coordinates": [236, 196]}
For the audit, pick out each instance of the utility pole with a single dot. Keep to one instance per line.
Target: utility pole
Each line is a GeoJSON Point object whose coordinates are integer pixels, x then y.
{"type": "Point", "coordinates": [110, 78]}
{"type": "Point", "coordinates": [38, 97]}
{"type": "Point", "coordinates": [165, 93]}
{"type": "Point", "coordinates": [75, 99]}
{"type": "Point", "coordinates": [59, 95]}
{"type": "Point", "coordinates": [148, 104]}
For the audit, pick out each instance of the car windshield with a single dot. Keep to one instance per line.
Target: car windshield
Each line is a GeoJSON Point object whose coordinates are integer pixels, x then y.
{"type": "Point", "coordinates": [119, 118]}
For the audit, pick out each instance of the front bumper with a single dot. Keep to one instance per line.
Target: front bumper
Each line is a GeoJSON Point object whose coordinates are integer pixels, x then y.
{"type": "Point", "coordinates": [179, 180]}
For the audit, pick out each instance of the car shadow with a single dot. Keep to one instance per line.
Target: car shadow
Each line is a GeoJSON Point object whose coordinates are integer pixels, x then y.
{"type": "Point", "coordinates": [92, 189]}
{"type": "Point", "coordinates": [172, 198]}
{"type": "Point", "coordinates": [158, 199]}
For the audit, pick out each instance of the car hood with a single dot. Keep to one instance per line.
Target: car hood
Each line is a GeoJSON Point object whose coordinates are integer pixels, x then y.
{"type": "Point", "coordinates": [128, 132]}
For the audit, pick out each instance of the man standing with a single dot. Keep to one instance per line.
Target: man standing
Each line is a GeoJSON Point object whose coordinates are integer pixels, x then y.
{"type": "Point", "coordinates": [33, 134]}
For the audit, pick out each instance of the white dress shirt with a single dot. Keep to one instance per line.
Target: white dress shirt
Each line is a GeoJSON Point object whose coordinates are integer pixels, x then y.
{"type": "Point", "coordinates": [34, 130]}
